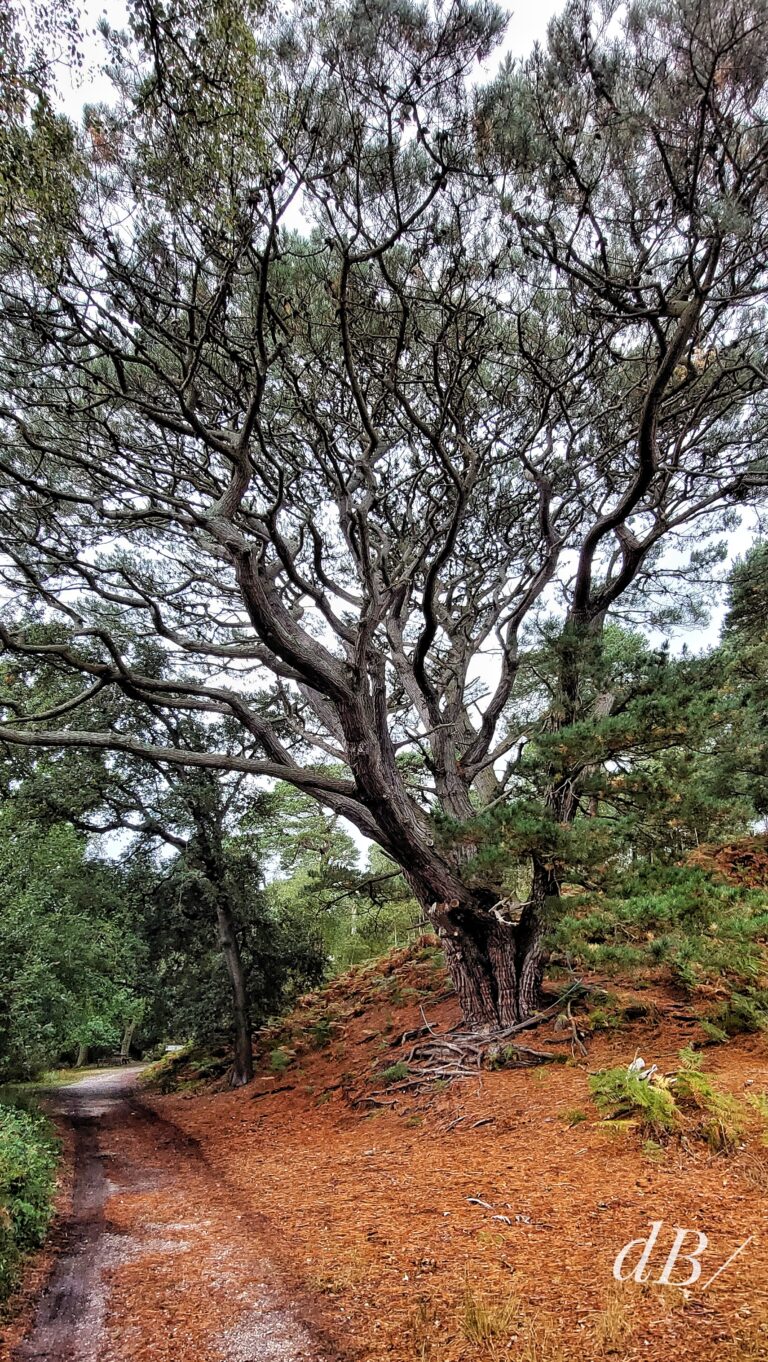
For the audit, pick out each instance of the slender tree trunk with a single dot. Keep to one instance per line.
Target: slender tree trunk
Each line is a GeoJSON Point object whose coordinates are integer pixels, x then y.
{"type": "Point", "coordinates": [243, 1058]}
{"type": "Point", "coordinates": [125, 1044]}
{"type": "Point", "coordinates": [82, 1056]}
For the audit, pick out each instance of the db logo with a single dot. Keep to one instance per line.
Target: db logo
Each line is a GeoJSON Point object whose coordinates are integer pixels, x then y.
{"type": "Point", "coordinates": [641, 1271]}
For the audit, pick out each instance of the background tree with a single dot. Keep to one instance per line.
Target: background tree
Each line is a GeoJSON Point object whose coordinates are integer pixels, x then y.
{"type": "Point", "coordinates": [357, 912]}
{"type": "Point", "coordinates": [203, 877]}
{"type": "Point", "coordinates": [742, 662]}
{"type": "Point", "coordinates": [516, 352]}
{"type": "Point", "coordinates": [73, 957]}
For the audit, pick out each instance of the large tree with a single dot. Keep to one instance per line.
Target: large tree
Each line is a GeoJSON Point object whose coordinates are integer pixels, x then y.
{"type": "Point", "coordinates": [348, 370]}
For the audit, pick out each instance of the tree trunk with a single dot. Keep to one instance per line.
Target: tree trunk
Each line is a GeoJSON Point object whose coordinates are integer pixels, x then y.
{"type": "Point", "coordinates": [242, 1071]}
{"type": "Point", "coordinates": [82, 1056]}
{"type": "Point", "coordinates": [125, 1044]}
{"type": "Point", "coordinates": [496, 959]}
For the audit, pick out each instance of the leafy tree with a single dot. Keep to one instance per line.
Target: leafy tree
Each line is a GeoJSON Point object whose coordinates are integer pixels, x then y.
{"type": "Point", "coordinates": [357, 913]}
{"type": "Point", "coordinates": [39, 165]}
{"type": "Point", "coordinates": [743, 662]}
{"type": "Point", "coordinates": [72, 956]}
{"type": "Point", "coordinates": [515, 353]}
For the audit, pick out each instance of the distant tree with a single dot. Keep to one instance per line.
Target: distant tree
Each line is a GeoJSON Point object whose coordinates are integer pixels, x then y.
{"type": "Point", "coordinates": [39, 165]}
{"type": "Point", "coordinates": [72, 952]}
{"type": "Point", "coordinates": [205, 890]}
{"type": "Point", "coordinates": [743, 664]}
{"type": "Point", "coordinates": [514, 352]}
{"type": "Point", "coordinates": [357, 911]}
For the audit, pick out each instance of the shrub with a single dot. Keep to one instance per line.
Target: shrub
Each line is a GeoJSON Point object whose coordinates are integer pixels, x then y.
{"type": "Point", "coordinates": [322, 1031]}
{"type": "Point", "coordinates": [685, 1103]}
{"type": "Point", "coordinates": [280, 1059]}
{"type": "Point", "coordinates": [747, 1011]}
{"type": "Point", "coordinates": [28, 1159]}
{"type": "Point", "coordinates": [722, 1122]}
{"type": "Point", "coordinates": [679, 917]}
{"type": "Point", "coordinates": [623, 1095]}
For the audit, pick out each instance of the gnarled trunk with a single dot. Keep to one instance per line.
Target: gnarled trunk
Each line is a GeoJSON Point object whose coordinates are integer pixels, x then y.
{"type": "Point", "coordinates": [496, 959]}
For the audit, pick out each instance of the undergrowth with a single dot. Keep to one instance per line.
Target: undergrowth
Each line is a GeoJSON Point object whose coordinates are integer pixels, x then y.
{"type": "Point", "coordinates": [28, 1160]}
{"type": "Point", "coordinates": [187, 1070]}
{"type": "Point", "coordinates": [704, 932]}
{"type": "Point", "coordinates": [685, 1103]}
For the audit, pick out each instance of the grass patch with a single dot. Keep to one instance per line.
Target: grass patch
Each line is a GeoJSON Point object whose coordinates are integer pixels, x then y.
{"type": "Point", "coordinates": [487, 1321]}
{"type": "Point", "coordinates": [574, 1116]}
{"type": "Point", "coordinates": [612, 1326]}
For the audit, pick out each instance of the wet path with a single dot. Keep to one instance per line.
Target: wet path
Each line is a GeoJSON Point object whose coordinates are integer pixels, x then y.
{"type": "Point", "coordinates": [155, 1260]}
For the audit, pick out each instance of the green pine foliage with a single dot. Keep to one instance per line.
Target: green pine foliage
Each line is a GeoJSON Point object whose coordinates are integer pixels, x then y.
{"type": "Point", "coordinates": [679, 918]}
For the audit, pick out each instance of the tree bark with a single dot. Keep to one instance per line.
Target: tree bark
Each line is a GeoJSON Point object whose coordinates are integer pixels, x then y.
{"type": "Point", "coordinates": [82, 1056]}
{"type": "Point", "coordinates": [495, 956]}
{"type": "Point", "coordinates": [125, 1044]}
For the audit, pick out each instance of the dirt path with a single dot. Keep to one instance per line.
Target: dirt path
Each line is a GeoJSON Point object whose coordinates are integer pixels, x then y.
{"type": "Point", "coordinates": [155, 1260]}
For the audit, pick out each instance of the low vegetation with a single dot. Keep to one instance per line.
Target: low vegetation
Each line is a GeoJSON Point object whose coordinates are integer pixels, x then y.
{"type": "Point", "coordinates": [706, 936]}
{"type": "Point", "coordinates": [686, 1104]}
{"type": "Point", "coordinates": [28, 1161]}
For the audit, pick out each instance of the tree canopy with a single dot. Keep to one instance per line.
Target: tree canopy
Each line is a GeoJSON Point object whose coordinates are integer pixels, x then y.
{"type": "Point", "coordinates": [347, 378]}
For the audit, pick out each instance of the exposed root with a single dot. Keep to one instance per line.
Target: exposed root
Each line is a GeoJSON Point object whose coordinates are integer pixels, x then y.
{"type": "Point", "coordinates": [462, 1053]}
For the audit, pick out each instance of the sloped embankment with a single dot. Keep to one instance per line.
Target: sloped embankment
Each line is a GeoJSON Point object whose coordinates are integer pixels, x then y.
{"type": "Point", "coordinates": [481, 1219]}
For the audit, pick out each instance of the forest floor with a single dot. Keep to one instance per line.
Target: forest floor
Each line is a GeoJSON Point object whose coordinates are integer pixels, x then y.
{"type": "Point", "coordinates": [481, 1220]}
{"type": "Point", "coordinates": [328, 1211]}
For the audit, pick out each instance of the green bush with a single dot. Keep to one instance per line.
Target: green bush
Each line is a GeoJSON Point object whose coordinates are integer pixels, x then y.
{"type": "Point", "coordinates": [683, 1103]}
{"type": "Point", "coordinates": [746, 1011]}
{"type": "Point", "coordinates": [621, 1095]}
{"type": "Point", "coordinates": [280, 1059]}
{"type": "Point", "coordinates": [679, 917]}
{"type": "Point", "coordinates": [322, 1031]}
{"type": "Point", "coordinates": [28, 1160]}
{"type": "Point", "coordinates": [722, 1120]}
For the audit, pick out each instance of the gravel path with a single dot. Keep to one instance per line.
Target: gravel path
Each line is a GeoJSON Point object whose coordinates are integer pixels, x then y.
{"type": "Point", "coordinates": [155, 1260]}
